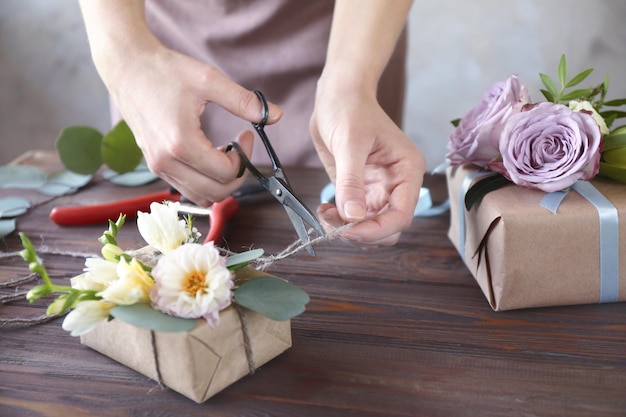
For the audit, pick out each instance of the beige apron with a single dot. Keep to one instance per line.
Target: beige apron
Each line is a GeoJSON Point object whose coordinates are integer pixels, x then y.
{"type": "Point", "coordinates": [276, 46]}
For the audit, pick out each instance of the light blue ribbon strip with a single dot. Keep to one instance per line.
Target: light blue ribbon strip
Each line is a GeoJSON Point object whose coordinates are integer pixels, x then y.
{"type": "Point", "coordinates": [609, 240]}
{"type": "Point", "coordinates": [424, 207]}
{"type": "Point", "coordinates": [465, 186]}
{"type": "Point", "coordinates": [552, 201]}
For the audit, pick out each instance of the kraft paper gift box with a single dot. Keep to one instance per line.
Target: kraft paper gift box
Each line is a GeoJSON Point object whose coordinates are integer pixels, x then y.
{"type": "Point", "coordinates": [198, 363]}
{"type": "Point", "coordinates": [523, 255]}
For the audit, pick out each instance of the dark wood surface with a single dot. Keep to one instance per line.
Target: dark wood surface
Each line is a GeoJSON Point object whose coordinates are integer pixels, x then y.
{"type": "Point", "coordinates": [401, 331]}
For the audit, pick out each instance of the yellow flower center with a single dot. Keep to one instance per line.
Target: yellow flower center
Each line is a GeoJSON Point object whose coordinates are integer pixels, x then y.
{"type": "Point", "coordinates": [194, 282]}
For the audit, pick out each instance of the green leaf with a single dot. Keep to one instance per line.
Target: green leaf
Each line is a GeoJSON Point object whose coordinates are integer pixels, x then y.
{"type": "Point", "coordinates": [64, 182]}
{"type": "Point", "coordinates": [615, 103]}
{"type": "Point", "coordinates": [550, 86]}
{"type": "Point", "coordinates": [79, 149]}
{"type": "Point", "coordinates": [615, 156]}
{"type": "Point", "coordinates": [576, 94]}
{"type": "Point", "coordinates": [242, 259]}
{"type": "Point", "coordinates": [455, 122]}
{"type": "Point", "coordinates": [578, 78]}
{"type": "Point", "coordinates": [21, 176]}
{"type": "Point", "coordinates": [614, 141]}
{"type": "Point", "coordinates": [144, 316]}
{"type": "Point", "coordinates": [272, 297]}
{"type": "Point", "coordinates": [482, 187]}
{"type": "Point", "coordinates": [562, 70]}
{"type": "Point", "coordinates": [13, 206]}
{"type": "Point", "coordinates": [615, 114]}
{"type": "Point", "coordinates": [6, 227]}
{"type": "Point", "coordinates": [119, 149]}
{"type": "Point", "coordinates": [616, 173]}
{"type": "Point", "coordinates": [139, 176]}
{"type": "Point", "coordinates": [548, 95]}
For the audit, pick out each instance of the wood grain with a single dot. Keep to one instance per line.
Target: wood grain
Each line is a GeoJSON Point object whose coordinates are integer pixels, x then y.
{"type": "Point", "coordinates": [401, 331]}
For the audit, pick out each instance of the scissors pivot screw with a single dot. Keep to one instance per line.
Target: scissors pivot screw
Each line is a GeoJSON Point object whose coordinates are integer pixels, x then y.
{"type": "Point", "coordinates": [278, 192]}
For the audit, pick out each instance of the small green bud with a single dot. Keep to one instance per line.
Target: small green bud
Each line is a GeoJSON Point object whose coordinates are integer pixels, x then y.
{"type": "Point", "coordinates": [56, 307]}
{"type": "Point", "coordinates": [111, 252]}
{"type": "Point", "coordinates": [37, 292]}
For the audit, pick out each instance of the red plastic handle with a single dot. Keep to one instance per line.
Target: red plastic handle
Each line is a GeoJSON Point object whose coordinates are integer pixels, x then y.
{"type": "Point", "coordinates": [101, 213]}
{"type": "Point", "coordinates": [221, 213]}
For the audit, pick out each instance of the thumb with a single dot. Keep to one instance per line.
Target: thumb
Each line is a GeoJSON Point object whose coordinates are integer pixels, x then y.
{"type": "Point", "coordinates": [349, 190]}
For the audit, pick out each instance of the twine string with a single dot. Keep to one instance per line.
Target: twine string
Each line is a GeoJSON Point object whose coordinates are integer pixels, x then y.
{"type": "Point", "coordinates": [262, 263]}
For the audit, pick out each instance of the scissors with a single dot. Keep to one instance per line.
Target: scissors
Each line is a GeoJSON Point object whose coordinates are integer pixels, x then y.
{"type": "Point", "coordinates": [277, 184]}
{"type": "Point", "coordinates": [220, 212]}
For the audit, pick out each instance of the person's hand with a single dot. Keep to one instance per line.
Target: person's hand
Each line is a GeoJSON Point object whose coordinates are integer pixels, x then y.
{"type": "Point", "coordinates": [161, 95]}
{"type": "Point", "coordinates": [376, 169]}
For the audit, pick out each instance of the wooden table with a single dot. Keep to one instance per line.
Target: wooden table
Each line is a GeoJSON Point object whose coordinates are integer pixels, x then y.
{"type": "Point", "coordinates": [401, 331]}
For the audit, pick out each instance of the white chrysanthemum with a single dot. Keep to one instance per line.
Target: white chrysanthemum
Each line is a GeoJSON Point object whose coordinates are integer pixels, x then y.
{"type": "Point", "coordinates": [132, 286]}
{"type": "Point", "coordinates": [162, 228]}
{"type": "Point", "coordinates": [99, 273]}
{"type": "Point", "coordinates": [192, 281]}
{"type": "Point", "coordinates": [86, 316]}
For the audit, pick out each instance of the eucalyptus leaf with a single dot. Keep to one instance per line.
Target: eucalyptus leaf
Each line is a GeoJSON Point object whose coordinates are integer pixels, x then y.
{"type": "Point", "coordinates": [119, 149]}
{"type": "Point", "coordinates": [64, 182]}
{"type": "Point", "coordinates": [6, 227]}
{"type": "Point", "coordinates": [13, 206]}
{"type": "Point", "coordinates": [79, 149]}
{"type": "Point", "coordinates": [241, 259]}
{"type": "Point", "coordinates": [272, 297]}
{"type": "Point", "coordinates": [144, 316]}
{"type": "Point", "coordinates": [21, 176]}
{"type": "Point", "coordinates": [140, 176]}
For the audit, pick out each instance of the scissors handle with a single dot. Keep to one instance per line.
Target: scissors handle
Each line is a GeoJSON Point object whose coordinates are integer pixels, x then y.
{"type": "Point", "coordinates": [101, 213]}
{"type": "Point", "coordinates": [221, 213]}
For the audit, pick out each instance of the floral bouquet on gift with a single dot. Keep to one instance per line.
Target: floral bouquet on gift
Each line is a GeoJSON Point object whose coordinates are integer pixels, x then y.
{"type": "Point", "coordinates": [545, 145]}
{"type": "Point", "coordinates": [164, 286]}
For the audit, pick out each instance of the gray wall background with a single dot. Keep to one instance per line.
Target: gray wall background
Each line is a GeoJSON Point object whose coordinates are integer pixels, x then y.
{"type": "Point", "coordinates": [458, 48]}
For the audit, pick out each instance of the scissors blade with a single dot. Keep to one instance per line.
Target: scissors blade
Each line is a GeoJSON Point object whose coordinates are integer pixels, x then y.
{"type": "Point", "coordinates": [301, 230]}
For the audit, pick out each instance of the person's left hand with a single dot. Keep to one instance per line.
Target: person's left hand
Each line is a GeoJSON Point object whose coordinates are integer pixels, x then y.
{"type": "Point", "coordinates": [376, 169]}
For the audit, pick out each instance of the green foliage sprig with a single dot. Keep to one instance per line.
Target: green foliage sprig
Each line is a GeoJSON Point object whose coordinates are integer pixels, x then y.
{"type": "Point", "coordinates": [594, 95]}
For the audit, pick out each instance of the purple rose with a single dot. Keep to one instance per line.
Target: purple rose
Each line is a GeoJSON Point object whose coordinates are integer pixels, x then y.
{"type": "Point", "coordinates": [475, 140]}
{"type": "Point", "coordinates": [549, 147]}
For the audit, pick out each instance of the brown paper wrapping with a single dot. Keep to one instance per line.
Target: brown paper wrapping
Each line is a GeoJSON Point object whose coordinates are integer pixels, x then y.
{"type": "Point", "coordinates": [198, 363]}
{"type": "Point", "coordinates": [522, 255]}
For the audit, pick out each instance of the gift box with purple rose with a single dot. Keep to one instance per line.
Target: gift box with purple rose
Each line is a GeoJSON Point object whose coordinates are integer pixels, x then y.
{"type": "Point", "coordinates": [537, 196]}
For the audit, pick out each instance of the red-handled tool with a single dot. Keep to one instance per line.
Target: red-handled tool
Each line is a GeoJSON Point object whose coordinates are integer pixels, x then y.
{"type": "Point", "coordinates": [219, 214]}
{"type": "Point", "coordinates": [98, 213]}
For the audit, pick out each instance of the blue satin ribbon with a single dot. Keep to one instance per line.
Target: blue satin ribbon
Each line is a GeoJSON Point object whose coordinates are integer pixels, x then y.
{"type": "Point", "coordinates": [465, 186]}
{"type": "Point", "coordinates": [424, 207]}
{"type": "Point", "coordinates": [609, 235]}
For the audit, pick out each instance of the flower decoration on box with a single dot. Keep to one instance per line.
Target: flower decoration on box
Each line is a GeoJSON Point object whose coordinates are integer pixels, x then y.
{"type": "Point", "coordinates": [545, 145]}
{"type": "Point", "coordinates": [164, 286]}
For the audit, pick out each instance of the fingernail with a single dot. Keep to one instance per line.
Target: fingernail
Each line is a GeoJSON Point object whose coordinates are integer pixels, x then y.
{"type": "Point", "coordinates": [354, 210]}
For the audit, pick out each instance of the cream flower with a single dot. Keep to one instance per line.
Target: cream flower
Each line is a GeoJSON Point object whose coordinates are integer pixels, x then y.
{"type": "Point", "coordinates": [99, 273]}
{"type": "Point", "coordinates": [86, 316]}
{"type": "Point", "coordinates": [585, 105]}
{"type": "Point", "coordinates": [162, 228]}
{"type": "Point", "coordinates": [192, 281]}
{"type": "Point", "coordinates": [132, 286]}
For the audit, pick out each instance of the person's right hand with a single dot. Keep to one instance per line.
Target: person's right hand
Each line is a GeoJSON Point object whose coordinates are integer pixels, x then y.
{"type": "Point", "coordinates": [161, 96]}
